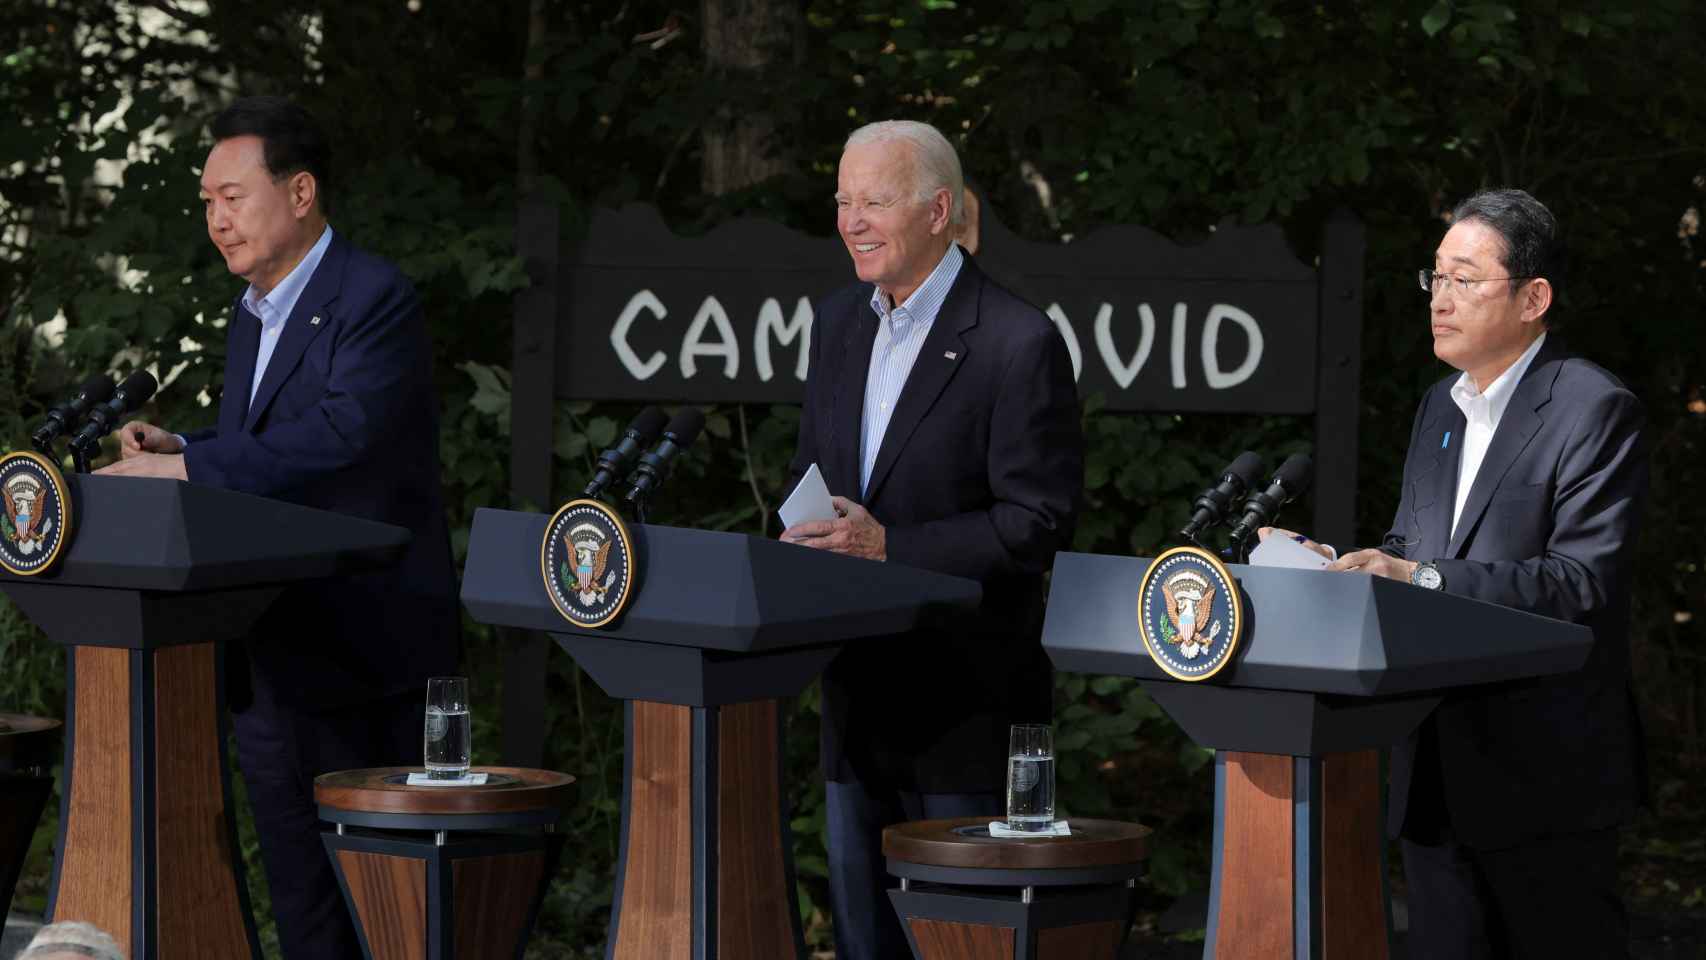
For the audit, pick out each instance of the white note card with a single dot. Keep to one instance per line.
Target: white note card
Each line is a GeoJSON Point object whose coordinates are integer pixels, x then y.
{"type": "Point", "coordinates": [809, 501]}
{"type": "Point", "coordinates": [1280, 550]}
{"type": "Point", "coordinates": [467, 780]}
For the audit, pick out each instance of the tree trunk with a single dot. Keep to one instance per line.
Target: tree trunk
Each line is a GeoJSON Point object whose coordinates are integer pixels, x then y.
{"type": "Point", "coordinates": [741, 39]}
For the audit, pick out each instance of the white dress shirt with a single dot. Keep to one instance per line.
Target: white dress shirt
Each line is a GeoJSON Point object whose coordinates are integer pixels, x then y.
{"type": "Point", "coordinates": [900, 334]}
{"type": "Point", "coordinates": [1483, 410]}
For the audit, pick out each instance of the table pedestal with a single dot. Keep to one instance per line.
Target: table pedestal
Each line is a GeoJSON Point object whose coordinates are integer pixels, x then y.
{"type": "Point", "coordinates": [967, 896]}
{"type": "Point", "coordinates": [432, 873]}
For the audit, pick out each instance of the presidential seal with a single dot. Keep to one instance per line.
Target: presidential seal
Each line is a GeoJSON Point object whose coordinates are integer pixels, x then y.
{"type": "Point", "coordinates": [38, 513]}
{"type": "Point", "coordinates": [588, 562]}
{"type": "Point", "coordinates": [1190, 613]}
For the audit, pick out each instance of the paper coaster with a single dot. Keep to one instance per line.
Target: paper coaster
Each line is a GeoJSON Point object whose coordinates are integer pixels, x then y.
{"type": "Point", "coordinates": [999, 828]}
{"type": "Point", "coordinates": [422, 780]}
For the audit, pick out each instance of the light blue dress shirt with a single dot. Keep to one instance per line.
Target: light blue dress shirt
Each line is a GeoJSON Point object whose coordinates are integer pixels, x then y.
{"type": "Point", "coordinates": [900, 334]}
{"type": "Point", "coordinates": [274, 308]}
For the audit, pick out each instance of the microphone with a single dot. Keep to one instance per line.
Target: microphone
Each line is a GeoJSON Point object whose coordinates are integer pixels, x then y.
{"type": "Point", "coordinates": [130, 395]}
{"type": "Point", "coordinates": [1244, 472]}
{"type": "Point", "coordinates": [64, 417]}
{"type": "Point", "coordinates": [613, 463]}
{"type": "Point", "coordinates": [1289, 482]}
{"type": "Point", "coordinates": [653, 467]}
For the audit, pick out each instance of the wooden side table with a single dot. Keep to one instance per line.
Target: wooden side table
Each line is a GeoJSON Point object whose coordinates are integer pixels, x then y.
{"type": "Point", "coordinates": [27, 746]}
{"type": "Point", "coordinates": [965, 895]}
{"type": "Point", "coordinates": [431, 873]}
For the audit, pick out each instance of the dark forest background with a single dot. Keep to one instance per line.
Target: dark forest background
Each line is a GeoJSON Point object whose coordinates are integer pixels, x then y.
{"type": "Point", "coordinates": [1069, 114]}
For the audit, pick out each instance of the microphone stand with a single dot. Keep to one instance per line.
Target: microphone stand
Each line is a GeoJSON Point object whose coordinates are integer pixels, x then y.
{"type": "Point", "coordinates": [81, 455]}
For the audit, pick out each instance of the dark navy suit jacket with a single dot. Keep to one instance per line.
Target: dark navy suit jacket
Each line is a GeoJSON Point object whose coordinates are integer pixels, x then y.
{"type": "Point", "coordinates": [1549, 527]}
{"type": "Point", "coordinates": [346, 420]}
{"type": "Point", "coordinates": [979, 475]}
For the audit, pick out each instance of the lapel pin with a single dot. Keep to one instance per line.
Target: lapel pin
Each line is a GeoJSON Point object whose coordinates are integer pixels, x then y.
{"type": "Point", "coordinates": [951, 355]}
{"type": "Point", "coordinates": [1446, 441]}
{"type": "Point", "coordinates": [314, 321]}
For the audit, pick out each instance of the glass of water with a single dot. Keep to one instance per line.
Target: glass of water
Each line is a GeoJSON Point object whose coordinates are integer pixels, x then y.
{"type": "Point", "coordinates": [448, 737]}
{"type": "Point", "coordinates": [1030, 777]}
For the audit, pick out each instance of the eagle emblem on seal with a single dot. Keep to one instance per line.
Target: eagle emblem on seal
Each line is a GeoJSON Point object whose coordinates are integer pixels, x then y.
{"type": "Point", "coordinates": [27, 523]}
{"type": "Point", "coordinates": [590, 548]}
{"type": "Point", "coordinates": [1190, 604]}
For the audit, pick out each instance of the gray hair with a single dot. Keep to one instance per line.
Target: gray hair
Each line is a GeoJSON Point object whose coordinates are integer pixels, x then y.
{"type": "Point", "coordinates": [73, 939]}
{"type": "Point", "coordinates": [935, 165]}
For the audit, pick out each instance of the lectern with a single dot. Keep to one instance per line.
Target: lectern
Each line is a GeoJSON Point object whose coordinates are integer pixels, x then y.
{"type": "Point", "coordinates": [157, 575]}
{"type": "Point", "coordinates": [1332, 667]}
{"type": "Point", "coordinates": [722, 627]}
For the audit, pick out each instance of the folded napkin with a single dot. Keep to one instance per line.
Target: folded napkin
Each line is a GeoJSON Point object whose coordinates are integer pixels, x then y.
{"type": "Point", "coordinates": [999, 828]}
{"type": "Point", "coordinates": [467, 780]}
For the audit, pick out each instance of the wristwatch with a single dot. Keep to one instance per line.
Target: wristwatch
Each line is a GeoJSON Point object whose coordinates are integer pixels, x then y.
{"type": "Point", "coordinates": [1427, 575]}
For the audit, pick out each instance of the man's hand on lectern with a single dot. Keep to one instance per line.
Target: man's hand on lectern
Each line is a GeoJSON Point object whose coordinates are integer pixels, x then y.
{"type": "Point", "coordinates": [137, 437]}
{"type": "Point", "coordinates": [1377, 562]}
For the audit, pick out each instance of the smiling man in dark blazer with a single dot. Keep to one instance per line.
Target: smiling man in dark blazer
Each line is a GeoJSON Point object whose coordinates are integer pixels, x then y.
{"type": "Point", "coordinates": [942, 412]}
{"type": "Point", "coordinates": [1523, 486]}
{"type": "Point", "coordinates": [328, 402]}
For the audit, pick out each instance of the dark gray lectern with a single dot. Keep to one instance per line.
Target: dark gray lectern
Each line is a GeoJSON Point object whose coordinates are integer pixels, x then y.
{"type": "Point", "coordinates": [158, 573]}
{"type": "Point", "coordinates": [723, 626]}
{"type": "Point", "coordinates": [1331, 667]}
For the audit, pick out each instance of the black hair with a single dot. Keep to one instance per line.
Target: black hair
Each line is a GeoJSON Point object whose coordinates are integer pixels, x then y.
{"type": "Point", "coordinates": [292, 142]}
{"type": "Point", "coordinates": [1533, 243]}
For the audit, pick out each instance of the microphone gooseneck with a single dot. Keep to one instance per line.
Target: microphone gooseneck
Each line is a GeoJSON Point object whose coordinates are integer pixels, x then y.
{"type": "Point", "coordinates": [129, 397]}
{"type": "Point", "coordinates": [613, 464]}
{"type": "Point", "coordinates": [1263, 506]}
{"type": "Point", "coordinates": [1211, 506]}
{"type": "Point", "coordinates": [64, 417]}
{"type": "Point", "coordinates": [653, 467]}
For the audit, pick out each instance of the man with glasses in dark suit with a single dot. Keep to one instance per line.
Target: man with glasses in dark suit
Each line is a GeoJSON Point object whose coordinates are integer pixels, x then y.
{"type": "Point", "coordinates": [1523, 486]}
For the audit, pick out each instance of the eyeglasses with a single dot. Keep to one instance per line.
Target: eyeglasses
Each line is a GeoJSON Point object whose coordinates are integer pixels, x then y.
{"type": "Point", "coordinates": [1431, 282]}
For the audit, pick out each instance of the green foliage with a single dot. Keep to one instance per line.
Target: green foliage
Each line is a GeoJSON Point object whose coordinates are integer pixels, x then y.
{"type": "Point", "coordinates": [1176, 114]}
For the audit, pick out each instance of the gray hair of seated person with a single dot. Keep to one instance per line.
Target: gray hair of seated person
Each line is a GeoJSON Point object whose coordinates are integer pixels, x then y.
{"type": "Point", "coordinates": [935, 163]}
{"type": "Point", "coordinates": [73, 939]}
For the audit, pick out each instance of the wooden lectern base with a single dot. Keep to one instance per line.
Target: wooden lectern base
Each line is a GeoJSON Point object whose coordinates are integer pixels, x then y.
{"type": "Point", "coordinates": [705, 868]}
{"type": "Point", "coordinates": [1299, 867]}
{"type": "Point", "coordinates": [150, 859]}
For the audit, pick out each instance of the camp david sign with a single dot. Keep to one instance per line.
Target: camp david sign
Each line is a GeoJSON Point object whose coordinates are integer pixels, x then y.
{"type": "Point", "coordinates": [1227, 325]}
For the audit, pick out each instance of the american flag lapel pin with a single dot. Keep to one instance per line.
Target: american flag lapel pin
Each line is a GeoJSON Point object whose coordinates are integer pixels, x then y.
{"type": "Point", "coordinates": [951, 355]}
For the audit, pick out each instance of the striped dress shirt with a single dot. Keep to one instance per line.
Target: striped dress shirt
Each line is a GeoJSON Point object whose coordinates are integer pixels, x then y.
{"type": "Point", "coordinates": [900, 334]}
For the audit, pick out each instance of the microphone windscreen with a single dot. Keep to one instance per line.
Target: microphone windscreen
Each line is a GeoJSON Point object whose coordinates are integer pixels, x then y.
{"type": "Point", "coordinates": [138, 387]}
{"type": "Point", "coordinates": [1248, 468]}
{"type": "Point", "coordinates": [647, 424]}
{"type": "Point", "coordinates": [96, 389]}
{"type": "Point", "coordinates": [685, 426]}
{"type": "Point", "coordinates": [1295, 474]}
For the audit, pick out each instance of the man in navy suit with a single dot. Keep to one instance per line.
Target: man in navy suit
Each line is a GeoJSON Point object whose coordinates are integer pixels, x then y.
{"type": "Point", "coordinates": [1523, 486]}
{"type": "Point", "coordinates": [328, 402]}
{"type": "Point", "coordinates": [942, 412]}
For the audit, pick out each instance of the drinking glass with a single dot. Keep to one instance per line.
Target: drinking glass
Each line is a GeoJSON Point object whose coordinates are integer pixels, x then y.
{"type": "Point", "coordinates": [1030, 777]}
{"type": "Point", "coordinates": [448, 737]}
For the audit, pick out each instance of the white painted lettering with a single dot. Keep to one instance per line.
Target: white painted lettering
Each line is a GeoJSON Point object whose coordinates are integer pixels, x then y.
{"type": "Point", "coordinates": [1218, 379]}
{"type": "Point", "coordinates": [1122, 372]}
{"type": "Point", "coordinates": [693, 345]}
{"type": "Point", "coordinates": [637, 368]}
{"type": "Point", "coordinates": [1178, 346]}
{"type": "Point", "coordinates": [770, 324]}
{"type": "Point", "coordinates": [1065, 327]}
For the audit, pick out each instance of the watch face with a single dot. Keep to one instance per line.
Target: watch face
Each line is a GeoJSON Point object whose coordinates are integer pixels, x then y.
{"type": "Point", "coordinates": [1426, 575]}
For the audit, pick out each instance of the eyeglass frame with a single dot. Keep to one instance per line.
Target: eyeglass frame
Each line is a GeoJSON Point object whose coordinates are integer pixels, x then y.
{"type": "Point", "coordinates": [1463, 283]}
